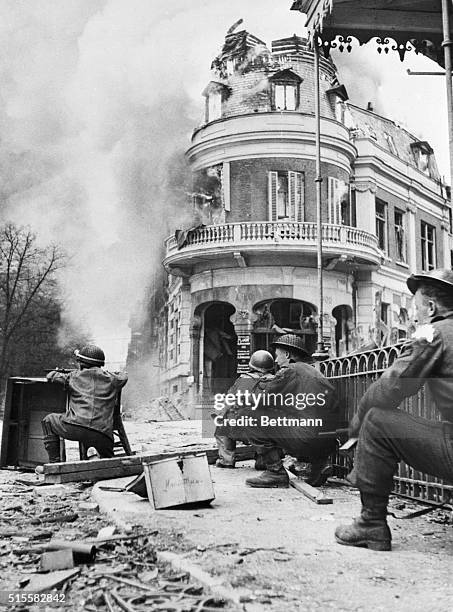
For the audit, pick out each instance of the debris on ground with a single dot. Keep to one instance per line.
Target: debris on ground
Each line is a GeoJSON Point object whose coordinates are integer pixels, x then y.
{"type": "Point", "coordinates": [83, 559]}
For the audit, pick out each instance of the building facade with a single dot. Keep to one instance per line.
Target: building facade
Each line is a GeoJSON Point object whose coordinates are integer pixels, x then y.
{"type": "Point", "coordinates": [246, 271]}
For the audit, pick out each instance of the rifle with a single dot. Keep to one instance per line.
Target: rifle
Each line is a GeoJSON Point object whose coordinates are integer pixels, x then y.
{"type": "Point", "coordinates": [347, 446]}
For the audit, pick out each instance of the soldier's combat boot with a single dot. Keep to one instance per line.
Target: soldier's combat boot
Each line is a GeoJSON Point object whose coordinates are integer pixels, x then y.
{"type": "Point", "coordinates": [274, 476]}
{"type": "Point", "coordinates": [370, 530]}
{"type": "Point", "coordinates": [270, 480]}
{"type": "Point", "coordinates": [260, 463]}
{"type": "Point", "coordinates": [227, 452]}
{"type": "Point", "coordinates": [51, 443]}
{"type": "Point", "coordinates": [320, 471]}
{"type": "Point", "coordinates": [52, 446]}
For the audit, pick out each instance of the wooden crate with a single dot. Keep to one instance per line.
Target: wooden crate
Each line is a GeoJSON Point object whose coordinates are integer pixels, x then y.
{"type": "Point", "coordinates": [180, 481]}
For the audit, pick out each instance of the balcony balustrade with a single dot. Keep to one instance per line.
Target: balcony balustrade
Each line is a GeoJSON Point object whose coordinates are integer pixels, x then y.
{"type": "Point", "coordinates": [337, 240]}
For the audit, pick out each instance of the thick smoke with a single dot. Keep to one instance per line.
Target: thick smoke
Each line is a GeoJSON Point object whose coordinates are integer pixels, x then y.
{"type": "Point", "coordinates": [94, 109]}
{"type": "Point", "coordinates": [418, 103]}
{"type": "Point", "coordinates": [97, 102]}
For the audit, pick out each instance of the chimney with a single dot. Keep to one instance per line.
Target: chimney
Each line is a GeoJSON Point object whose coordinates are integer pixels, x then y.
{"type": "Point", "coordinates": [370, 107]}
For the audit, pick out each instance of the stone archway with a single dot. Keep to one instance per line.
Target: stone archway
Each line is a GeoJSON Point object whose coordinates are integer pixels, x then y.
{"type": "Point", "coordinates": [284, 315]}
{"type": "Point", "coordinates": [217, 347]}
{"type": "Point", "coordinates": [344, 325]}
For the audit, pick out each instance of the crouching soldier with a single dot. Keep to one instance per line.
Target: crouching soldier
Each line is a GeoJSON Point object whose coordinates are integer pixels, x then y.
{"type": "Point", "coordinates": [296, 405]}
{"type": "Point", "coordinates": [261, 367]}
{"type": "Point", "coordinates": [89, 415]}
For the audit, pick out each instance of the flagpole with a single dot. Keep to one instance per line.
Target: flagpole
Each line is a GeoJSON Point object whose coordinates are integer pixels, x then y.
{"type": "Point", "coordinates": [320, 349]}
{"type": "Point", "coordinates": [446, 44]}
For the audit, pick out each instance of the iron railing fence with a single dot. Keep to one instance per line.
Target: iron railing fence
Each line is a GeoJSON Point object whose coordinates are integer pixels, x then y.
{"type": "Point", "coordinates": [352, 375]}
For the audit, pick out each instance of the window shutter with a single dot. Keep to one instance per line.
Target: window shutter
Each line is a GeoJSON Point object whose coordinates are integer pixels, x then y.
{"type": "Point", "coordinates": [295, 188]}
{"type": "Point", "coordinates": [272, 195]}
{"type": "Point", "coordinates": [334, 197]}
{"type": "Point", "coordinates": [292, 196]}
{"type": "Point", "coordinates": [330, 198]}
{"type": "Point", "coordinates": [300, 191]}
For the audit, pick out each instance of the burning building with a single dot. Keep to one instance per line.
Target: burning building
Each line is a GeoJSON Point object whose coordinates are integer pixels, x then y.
{"type": "Point", "coordinates": [246, 270]}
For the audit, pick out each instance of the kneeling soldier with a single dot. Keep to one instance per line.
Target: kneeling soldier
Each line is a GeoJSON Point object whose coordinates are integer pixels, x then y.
{"type": "Point", "coordinates": [261, 367]}
{"type": "Point", "coordinates": [89, 415]}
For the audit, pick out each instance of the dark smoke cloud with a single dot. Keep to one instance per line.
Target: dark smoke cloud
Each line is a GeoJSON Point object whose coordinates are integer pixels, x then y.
{"type": "Point", "coordinates": [97, 102]}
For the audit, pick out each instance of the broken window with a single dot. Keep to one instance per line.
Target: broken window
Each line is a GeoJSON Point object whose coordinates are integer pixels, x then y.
{"type": "Point", "coordinates": [381, 224]}
{"type": "Point", "coordinates": [428, 244]}
{"type": "Point", "coordinates": [285, 196]}
{"type": "Point", "coordinates": [215, 93]}
{"type": "Point", "coordinates": [285, 97]}
{"type": "Point", "coordinates": [339, 202]}
{"type": "Point", "coordinates": [207, 196]}
{"type": "Point", "coordinates": [424, 159]}
{"type": "Point", "coordinates": [214, 106]}
{"type": "Point", "coordinates": [338, 96]}
{"type": "Point", "coordinates": [400, 235]}
{"type": "Point", "coordinates": [285, 90]}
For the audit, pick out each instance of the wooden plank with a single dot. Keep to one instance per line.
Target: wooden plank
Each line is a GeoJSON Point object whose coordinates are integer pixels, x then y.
{"type": "Point", "coordinates": [243, 453]}
{"type": "Point", "coordinates": [312, 493]}
{"type": "Point", "coordinates": [104, 474]}
{"type": "Point", "coordinates": [83, 466]}
{"type": "Point", "coordinates": [117, 467]}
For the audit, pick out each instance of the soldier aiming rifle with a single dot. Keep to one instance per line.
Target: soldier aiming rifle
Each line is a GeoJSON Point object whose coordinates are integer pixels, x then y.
{"type": "Point", "coordinates": [89, 416]}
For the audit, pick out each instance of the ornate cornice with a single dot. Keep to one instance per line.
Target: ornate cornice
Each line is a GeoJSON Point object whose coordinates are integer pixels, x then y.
{"type": "Point", "coordinates": [363, 186]}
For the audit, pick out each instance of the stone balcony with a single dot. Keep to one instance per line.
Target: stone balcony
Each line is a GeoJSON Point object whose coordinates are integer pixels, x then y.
{"type": "Point", "coordinates": [271, 243]}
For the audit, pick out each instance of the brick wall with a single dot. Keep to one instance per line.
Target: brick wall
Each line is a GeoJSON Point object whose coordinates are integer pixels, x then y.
{"type": "Point", "coordinates": [251, 90]}
{"type": "Point", "coordinates": [249, 186]}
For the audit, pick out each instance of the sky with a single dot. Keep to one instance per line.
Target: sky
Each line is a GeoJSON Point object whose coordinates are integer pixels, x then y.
{"type": "Point", "coordinates": [98, 99]}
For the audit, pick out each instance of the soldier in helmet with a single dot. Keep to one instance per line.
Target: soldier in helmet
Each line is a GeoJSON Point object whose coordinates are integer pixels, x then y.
{"type": "Point", "coordinates": [261, 368]}
{"type": "Point", "coordinates": [89, 415]}
{"type": "Point", "coordinates": [295, 379]}
{"type": "Point", "coordinates": [388, 435]}
{"type": "Point", "coordinates": [283, 402]}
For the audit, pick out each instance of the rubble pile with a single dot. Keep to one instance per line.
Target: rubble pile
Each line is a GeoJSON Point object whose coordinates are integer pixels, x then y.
{"type": "Point", "coordinates": [54, 541]}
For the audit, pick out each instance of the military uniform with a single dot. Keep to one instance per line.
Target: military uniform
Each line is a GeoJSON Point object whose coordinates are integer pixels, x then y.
{"type": "Point", "coordinates": [89, 415]}
{"type": "Point", "coordinates": [226, 437]}
{"type": "Point", "coordinates": [299, 441]}
{"type": "Point", "coordinates": [389, 435]}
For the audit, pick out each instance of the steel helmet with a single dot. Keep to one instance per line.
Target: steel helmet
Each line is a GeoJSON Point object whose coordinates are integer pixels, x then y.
{"type": "Point", "coordinates": [262, 361]}
{"type": "Point", "coordinates": [293, 342]}
{"type": "Point", "coordinates": [90, 355]}
{"type": "Point", "coordinates": [441, 278]}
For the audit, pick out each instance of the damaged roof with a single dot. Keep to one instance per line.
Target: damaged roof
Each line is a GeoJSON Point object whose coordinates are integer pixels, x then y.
{"type": "Point", "coordinates": [391, 137]}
